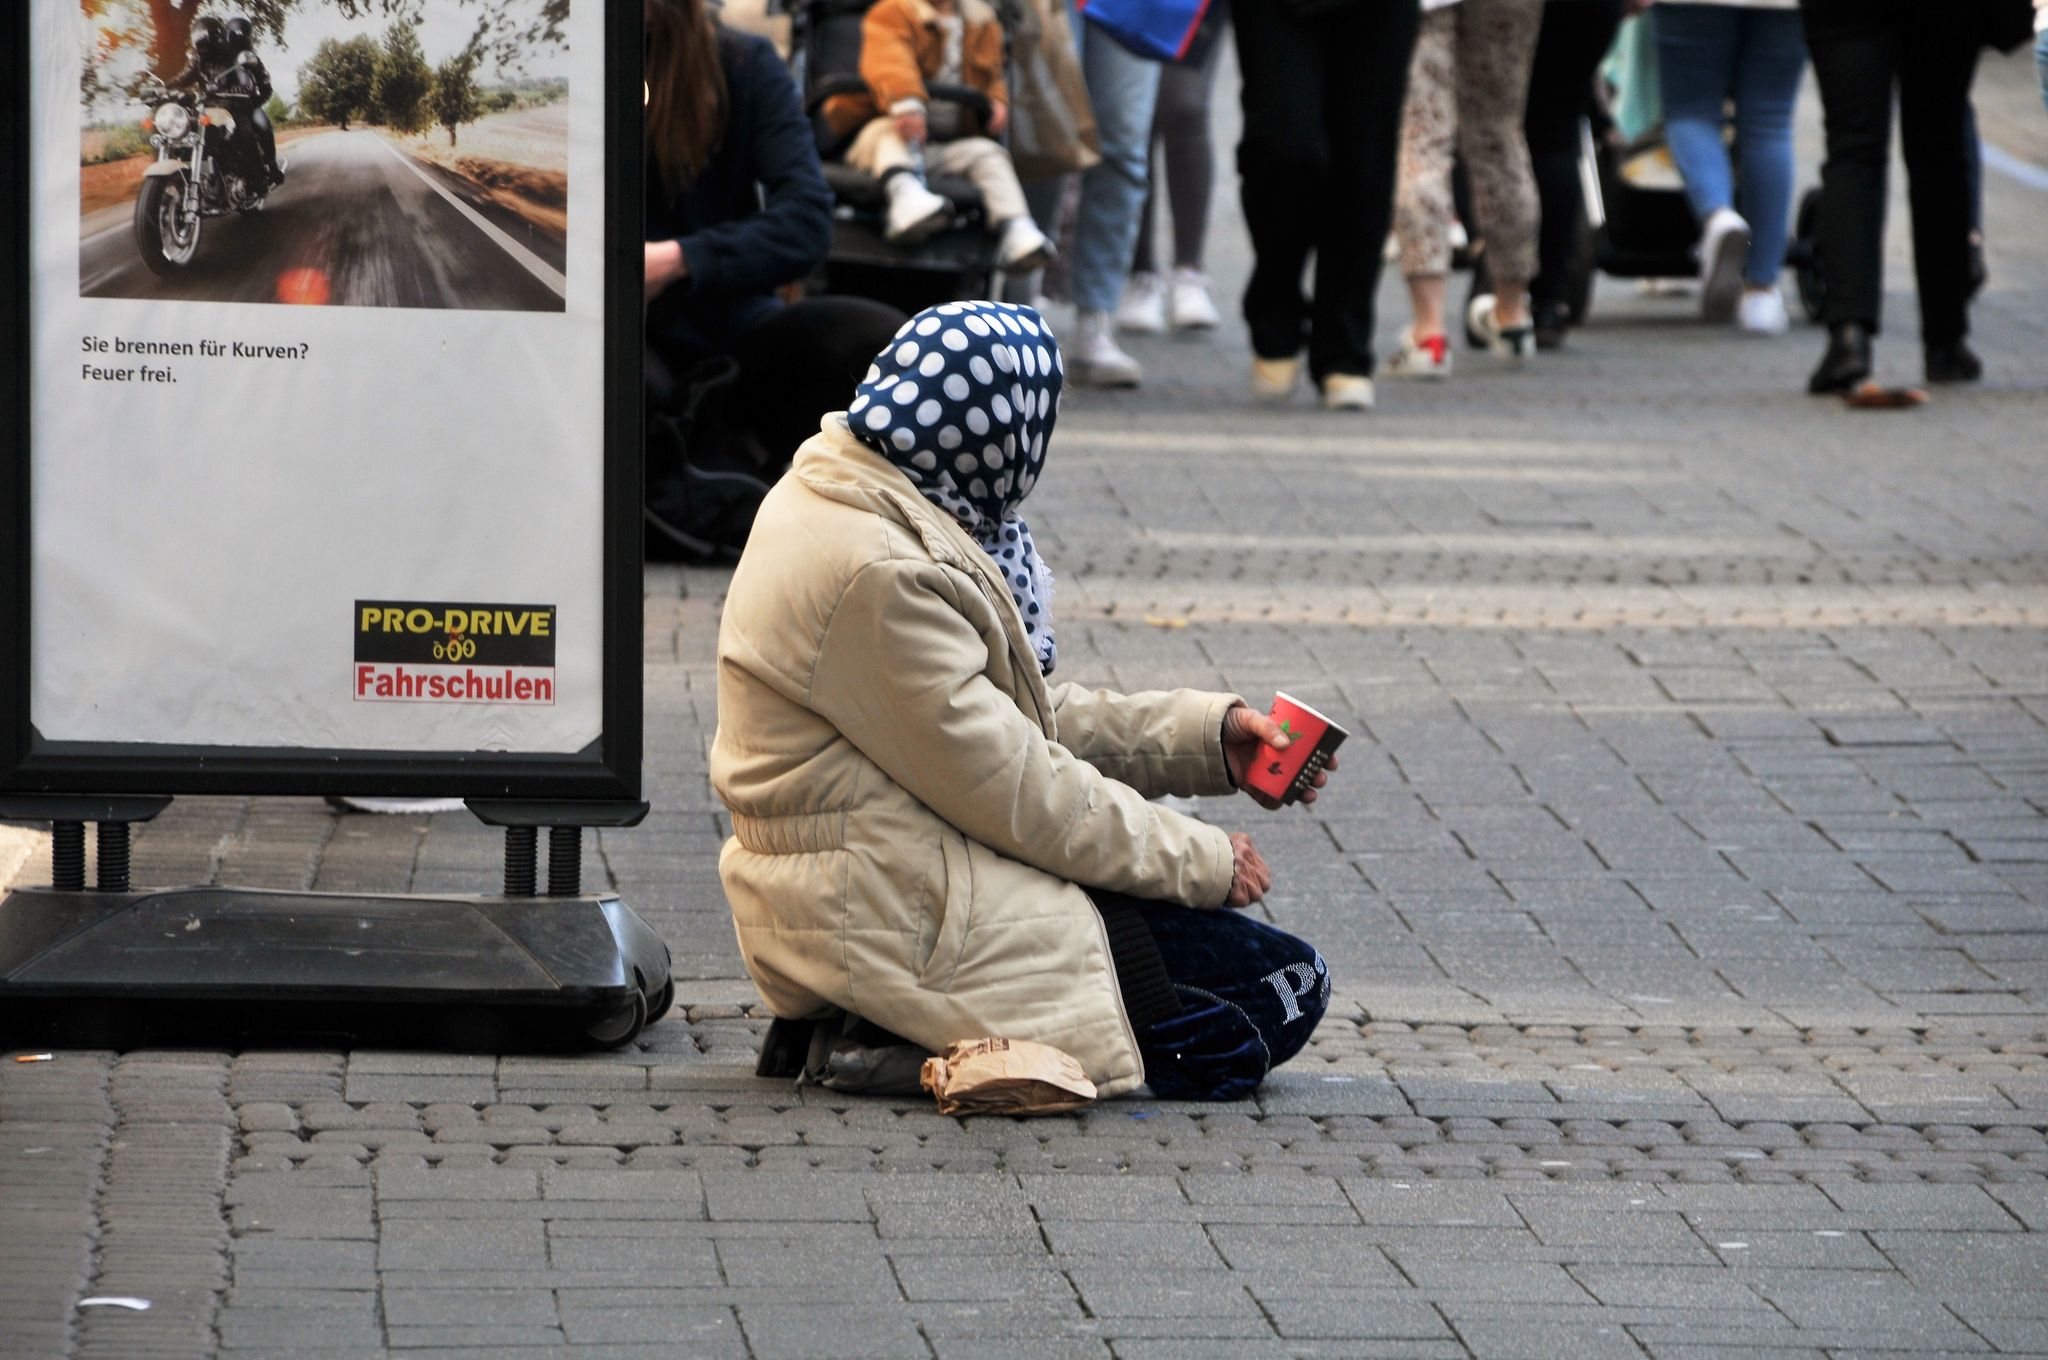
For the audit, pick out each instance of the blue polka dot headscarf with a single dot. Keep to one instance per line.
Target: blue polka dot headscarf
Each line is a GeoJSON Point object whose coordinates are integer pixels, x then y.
{"type": "Point", "coordinates": [963, 402]}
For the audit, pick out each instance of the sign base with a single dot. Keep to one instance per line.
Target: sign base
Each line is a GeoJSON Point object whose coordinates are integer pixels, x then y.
{"type": "Point", "coordinates": [256, 967]}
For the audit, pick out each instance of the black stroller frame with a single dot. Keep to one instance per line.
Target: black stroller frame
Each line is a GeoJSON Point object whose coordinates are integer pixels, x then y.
{"type": "Point", "coordinates": [1629, 232]}
{"type": "Point", "coordinates": [957, 262]}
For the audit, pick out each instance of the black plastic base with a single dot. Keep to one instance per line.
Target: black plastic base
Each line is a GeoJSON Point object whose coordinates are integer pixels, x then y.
{"type": "Point", "coordinates": [250, 967]}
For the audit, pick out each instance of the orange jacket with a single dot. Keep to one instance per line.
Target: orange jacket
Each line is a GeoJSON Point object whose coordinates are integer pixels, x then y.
{"type": "Point", "coordinates": [900, 49]}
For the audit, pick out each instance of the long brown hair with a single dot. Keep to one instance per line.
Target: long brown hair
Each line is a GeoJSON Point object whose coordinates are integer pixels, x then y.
{"type": "Point", "coordinates": [685, 89]}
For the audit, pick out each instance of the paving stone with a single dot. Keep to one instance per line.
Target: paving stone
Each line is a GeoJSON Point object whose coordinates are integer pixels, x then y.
{"type": "Point", "coordinates": [1353, 1314]}
{"type": "Point", "coordinates": [428, 1245]}
{"type": "Point", "coordinates": [801, 1332]}
{"type": "Point", "coordinates": [1689, 850]}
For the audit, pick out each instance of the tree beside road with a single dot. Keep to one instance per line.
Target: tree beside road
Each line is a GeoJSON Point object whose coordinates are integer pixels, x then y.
{"type": "Point", "coordinates": [456, 100]}
{"type": "Point", "coordinates": [339, 83]}
{"type": "Point", "coordinates": [403, 80]}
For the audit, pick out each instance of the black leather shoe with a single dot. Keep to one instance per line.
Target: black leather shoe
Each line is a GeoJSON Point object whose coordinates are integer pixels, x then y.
{"type": "Point", "coordinates": [1953, 362]}
{"type": "Point", "coordinates": [1846, 363]}
{"type": "Point", "coordinates": [1553, 319]}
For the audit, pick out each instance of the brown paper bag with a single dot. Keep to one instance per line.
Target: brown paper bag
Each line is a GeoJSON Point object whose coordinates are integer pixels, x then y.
{"type": "Point", "coordinates": [1006, 1076]}
{"type": "Point", "coordinates": [1052, 125]}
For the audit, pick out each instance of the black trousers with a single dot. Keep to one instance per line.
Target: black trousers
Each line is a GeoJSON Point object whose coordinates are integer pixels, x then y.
{"type": "Point", "coordinates": [1322, 128]}
{"type": "Point", "coordinates": [266, 138]}
{"type": "Point", "coordinates": [1864, 50]}
{"type": "Point", "coordinates": [795, 365]}
{"type": "Point", "coordinates": [1574, 37]}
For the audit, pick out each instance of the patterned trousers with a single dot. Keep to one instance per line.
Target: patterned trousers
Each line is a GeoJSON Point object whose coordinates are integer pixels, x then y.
{"type": "Point", "coordinates": [1466, 90]}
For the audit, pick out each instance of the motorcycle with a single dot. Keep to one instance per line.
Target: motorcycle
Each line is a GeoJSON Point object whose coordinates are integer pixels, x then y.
{"type": "Point", "coordinates": [206, 166]}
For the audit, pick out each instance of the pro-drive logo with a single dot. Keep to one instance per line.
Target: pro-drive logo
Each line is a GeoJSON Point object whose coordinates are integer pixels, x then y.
{"type": "Point", "coordinates": [408, 651]}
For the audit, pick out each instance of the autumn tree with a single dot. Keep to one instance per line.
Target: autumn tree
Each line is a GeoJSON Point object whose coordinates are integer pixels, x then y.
{"type": "Point", "coordinates": [506, 29]}
{"type": "Point", "coordinates": [403, 80]}
{"type": "Point", "coordinates": [455, 94]}
{"type": "Point", "coordinates": [339, 83]}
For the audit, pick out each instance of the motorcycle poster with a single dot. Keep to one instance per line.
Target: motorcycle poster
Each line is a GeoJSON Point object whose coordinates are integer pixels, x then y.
{"type": "Point", "coordinates": [325, 307]}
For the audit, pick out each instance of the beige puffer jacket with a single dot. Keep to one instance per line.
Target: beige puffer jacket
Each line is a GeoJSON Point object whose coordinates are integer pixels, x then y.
{"type": "Point", "coordinates": [912, 809]}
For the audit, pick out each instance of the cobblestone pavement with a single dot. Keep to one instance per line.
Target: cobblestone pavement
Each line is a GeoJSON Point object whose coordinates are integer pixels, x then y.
{"type": "Point", "coordinates": [1684, 887]}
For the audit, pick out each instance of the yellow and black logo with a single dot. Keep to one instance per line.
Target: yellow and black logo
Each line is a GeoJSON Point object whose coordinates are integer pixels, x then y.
{"type": "Point", "coordinates": [424, 633]}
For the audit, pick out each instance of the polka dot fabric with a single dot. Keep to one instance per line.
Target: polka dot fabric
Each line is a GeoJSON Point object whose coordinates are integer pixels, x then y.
{"type": "Point", "coordinates": [963, 402]}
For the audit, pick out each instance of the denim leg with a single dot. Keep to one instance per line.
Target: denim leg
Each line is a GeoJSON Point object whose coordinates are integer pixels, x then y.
{"type": "Point", "coordinates": [1696, 52]}
{"type": "Point", "coordinates": [1123, 89]}
{"type": "Point", "coordinates": [1767, 75]}
{"type": "Point", "coordinates": [2041, 63]}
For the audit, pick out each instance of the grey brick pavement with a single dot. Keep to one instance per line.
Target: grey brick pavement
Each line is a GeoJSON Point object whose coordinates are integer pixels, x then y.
{"type": "Point", "coordinates": [1684, 888]}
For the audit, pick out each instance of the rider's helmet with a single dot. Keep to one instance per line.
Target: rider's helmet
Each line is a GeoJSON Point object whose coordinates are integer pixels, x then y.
{"type": "Point", "coordinates": [209, 39]}
{"type": "Point", "coordinates": [240, 35]}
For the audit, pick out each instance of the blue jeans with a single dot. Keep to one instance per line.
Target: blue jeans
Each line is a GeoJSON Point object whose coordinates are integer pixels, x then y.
{"type": "Point", "coordinates": [2041, 62]}
{"type": "Point", "coordinates": [1123, 89]}
{"type": "Point", "coordinates": [1705, 54]}
{"type": "Point", "coordinates": [1248, 997]}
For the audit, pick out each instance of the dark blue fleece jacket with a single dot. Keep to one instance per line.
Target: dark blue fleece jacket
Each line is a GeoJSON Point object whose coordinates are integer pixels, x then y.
{"type": "Point", "coordinates": [757, 217]}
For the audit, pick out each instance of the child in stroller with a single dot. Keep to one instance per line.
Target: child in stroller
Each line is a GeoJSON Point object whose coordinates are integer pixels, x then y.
{"type": "Point", "coordinates": [904, 133]}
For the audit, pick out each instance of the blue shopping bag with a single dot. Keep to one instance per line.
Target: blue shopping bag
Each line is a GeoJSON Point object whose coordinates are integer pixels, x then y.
{"type": "Point", "coordinates": [1158, 30]}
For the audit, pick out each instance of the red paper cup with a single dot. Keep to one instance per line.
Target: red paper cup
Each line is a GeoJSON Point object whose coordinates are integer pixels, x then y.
{"type": "Point", "coordinates": [1286, 775]}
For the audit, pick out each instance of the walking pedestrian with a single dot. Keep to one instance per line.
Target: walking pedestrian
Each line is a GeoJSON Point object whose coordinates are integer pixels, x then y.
{"type": "Point", "coordinates": [1863, 52]}
{"type": "Point", "coordinates": [1123, 91]}
{"type": "Point", "coordinates": [1468, 88]}
{"type": "Point", "coordinates": [1574, 37]}
{"type": "Point", "coordinates": [926, 833]}
{"type": "Point", "coordinates": [1152, 301]}
{"type": "Point", "coordinates": [2041, 47]}
{"type": "Point", "coordinates": [1323, 85]}
{"type": "Point", "coordinates": [1750, 51]}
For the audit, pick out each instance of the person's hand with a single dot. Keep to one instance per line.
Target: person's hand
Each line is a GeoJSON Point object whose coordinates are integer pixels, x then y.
{"type": "Point", "coordinates": [1250, 879]}
{"type": "Point", "coordinates": [910, 126]}
{"type": "Point", "coordinates": [1245, 729]}
{"type": "Point", "coordinates": [665, 265]}
{"type": "Point", "coordinates": [998, 117]}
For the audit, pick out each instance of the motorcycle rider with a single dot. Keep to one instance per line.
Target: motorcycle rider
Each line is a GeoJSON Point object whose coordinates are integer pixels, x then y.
{"type": "Point", "coordinates": [224, 59]}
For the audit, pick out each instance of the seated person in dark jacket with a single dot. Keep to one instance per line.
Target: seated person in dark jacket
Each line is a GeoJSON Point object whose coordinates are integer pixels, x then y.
{"type": "Point", "coordinates": [224, 61]}
{"type": "Point", "coordinates": [737, 209]}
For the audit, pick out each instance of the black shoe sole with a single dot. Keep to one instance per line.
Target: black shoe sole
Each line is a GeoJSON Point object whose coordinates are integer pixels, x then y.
{"type": "Point", "coordinates": [1833, 385]}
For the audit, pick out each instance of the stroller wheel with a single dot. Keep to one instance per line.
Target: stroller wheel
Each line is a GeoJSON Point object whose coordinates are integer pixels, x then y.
{"type": "Point", "coordinates": [1804, 256]}
{"type": "Point", "coordinates": [1585, 265]}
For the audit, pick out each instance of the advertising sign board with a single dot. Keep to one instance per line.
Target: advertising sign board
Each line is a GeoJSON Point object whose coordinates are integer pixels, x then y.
{"type": "Point", "coordinates": [319, 413]}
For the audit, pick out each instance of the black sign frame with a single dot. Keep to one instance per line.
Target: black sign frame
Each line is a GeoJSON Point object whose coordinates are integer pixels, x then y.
{"type": "Point", "coordinates": [609, 769]}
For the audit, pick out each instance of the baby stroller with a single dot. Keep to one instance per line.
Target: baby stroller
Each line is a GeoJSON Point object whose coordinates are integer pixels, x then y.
{"type": "Point", "coordinates": [957, 262]}
{"type": "Point", "coordinates": [1636, 222]}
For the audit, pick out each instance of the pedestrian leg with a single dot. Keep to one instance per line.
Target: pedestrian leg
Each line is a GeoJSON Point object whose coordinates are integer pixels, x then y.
{"type": "Point", "coordinates": [1496, 47]}
{"type": "Point", "coordinates": [1283, 160]}
{"type": "Point", "coordinates": [1937, 64]}
{"type": "Point", "coordinates": [1855, 51]}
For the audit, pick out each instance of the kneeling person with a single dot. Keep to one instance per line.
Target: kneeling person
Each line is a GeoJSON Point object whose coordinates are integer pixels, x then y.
{"type": "Point", "coordinates": [928, 835]}
{"type": "Point", "coordinates": [904, 44]}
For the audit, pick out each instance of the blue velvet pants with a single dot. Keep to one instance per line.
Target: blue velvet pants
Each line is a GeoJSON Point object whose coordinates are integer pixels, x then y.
{"type": "Point", "coordinates": [1247, 996]}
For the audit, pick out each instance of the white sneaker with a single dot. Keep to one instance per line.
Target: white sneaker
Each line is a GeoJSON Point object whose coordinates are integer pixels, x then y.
{"type": "Point", "coordinates": [1724, 250]}
{"type": "Point", "coordinates": [1347, 392]}
{"type": "Point", "coordinates": [1274, 379]}
{"type": "Point", "coordinates": [1022, 247]}
{"type": "Point", "coordinates": [1428, 358]}
{"type": "Point", "coordinates": [915, 212]}
{"type": "Point", "coordinates": [1513, 343]}
{"type": "Point", "coordinates": [1763, 312]}
{"type": "Point", "coordinates": [1192, 307]}
{"type": "Point", "coordinates": [1143, 308]}
{"type": "Point", "coordinates": [1094, 360]}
